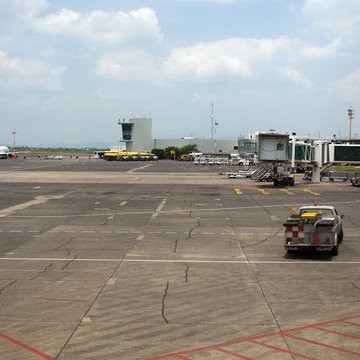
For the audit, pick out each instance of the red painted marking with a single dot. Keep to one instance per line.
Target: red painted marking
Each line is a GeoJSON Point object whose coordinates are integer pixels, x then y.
{"type": "Point", "coordinates": [350, 322]}
{"type": "Point", "coordinates": [173, 356]}
{"type": "Point", "coordinates": [309, 326]}
{"type": "Point", "coordinates": [26, 347]}
{"type": "Point", "coordinates": [231, 353]}
{"type": "Point", "coordinates": [177, 356]}
{"type": "Point", "coordinates": [212, 346]}
{"type": "Point", "coordinates": [337, 333]}
{"type": "Point", "coordinates": [280, 349]}
{"type": "Point", "coordinates": [323, 345]}
{"type": "Point", "coordinates": [256, 337]}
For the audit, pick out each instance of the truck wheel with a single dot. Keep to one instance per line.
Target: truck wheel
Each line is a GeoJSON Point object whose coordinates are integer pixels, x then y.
{"type": "Point", "coordinates": [341, 235]}
{"type": "Point", "coordinates": [291, 182]}
{"type": "Point", "coordinates": [275, 182]}
{"type": "Point", "coordinates": [335, 250]}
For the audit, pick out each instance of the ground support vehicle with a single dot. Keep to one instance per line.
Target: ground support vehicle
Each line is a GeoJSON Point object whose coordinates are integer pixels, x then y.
{"type": "Point", "coordinates": [355, 180]}
{"type": "Point", "coordinates": [334, 175]}
{"type": "Point", "coordinates": [281, 179]}
{"type": "Point", "coordinates": [282, 174]}
{"type": "Point", "coordinates": [317, 227]}
{"type": "Point", "coordinates": [241, 174]}
{"type": "Point", "coordinates": [128, 156]}
{"type": "Point", "coordinates": [278, 173]}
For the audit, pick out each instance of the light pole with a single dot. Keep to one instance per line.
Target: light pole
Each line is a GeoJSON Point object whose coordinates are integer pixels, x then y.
{"type": "Point", "coordinates": [13, 134]}
{"type": "Point", "coordinates": [212, 121]}
{"type": "Point", "coordinates": [293, 148]}
{"type": "Point", "coordinates": [351, 117]}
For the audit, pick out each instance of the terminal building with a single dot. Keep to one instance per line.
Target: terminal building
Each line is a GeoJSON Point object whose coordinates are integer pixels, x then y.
{"type": "Point", "coordinates": [137, 136]}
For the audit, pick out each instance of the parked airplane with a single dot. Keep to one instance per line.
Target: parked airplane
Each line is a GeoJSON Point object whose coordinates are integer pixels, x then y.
{"type": "Point", "coordinates": [4, 152]}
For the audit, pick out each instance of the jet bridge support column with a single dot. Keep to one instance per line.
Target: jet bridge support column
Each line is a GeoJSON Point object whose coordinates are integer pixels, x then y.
{"type": "Point", "coordinates": [293, 141]}
{"type": "Point", "coordinates": [316, 174]}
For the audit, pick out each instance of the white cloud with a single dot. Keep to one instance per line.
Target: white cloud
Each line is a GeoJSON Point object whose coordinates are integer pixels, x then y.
{"type": "Point", "coordinates": [347, 87]}
{"type": "Point", "coordinates": [109, 27]}
{"type": "Point", "coordinates": [294, 75]}
{"type": "Point", "coordinates": [18, 73]}
{"type": "Point", "coordinates": [29, 8]}
{"type": "Point", "coordinates": [329, 50]}
{"type": "Point", "coordinates": [18, 14]}
{"type": "Point", "coordinates": [241, 57]}
{"type": "Point", "coordinates": [129, 66]}
{"type": "Point", "coordinates": [23, 8]}
{"type": "Point", "coordinates": [341, 17]}
{"type": "Point", "coordinates": [210, 1]}
{"type": "Point", "coordinates": [207, 60]}
{"type": "Point", "coordinates": [234, 58]}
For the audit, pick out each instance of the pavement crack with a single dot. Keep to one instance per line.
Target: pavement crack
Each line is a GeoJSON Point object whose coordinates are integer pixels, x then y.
{"type": "Point", "coordinates": [176, 245]}
{"type": "Point", "coordinates": [163, 303]}
{"type": "Point", "coordinates": [355, 286]}
{"type": "Point", "coordinates": [194, 228]}
{"type": "Point", "coordinates": [187, 272]}
{"type": "Point", "coordinates": [88, 309]}
{"type": "Point", "coordinates": [8, 285]}
{"type": "Point", "coordinates": [41, 272]}
{"type": "Point", "coordinates": [258, 282]}
{"type": "Point", "coordinates": [63, 244]}
{"type": "Point", "coordinates": [263, 240]}
{"type": "Point", "coordinates": [68, 263]}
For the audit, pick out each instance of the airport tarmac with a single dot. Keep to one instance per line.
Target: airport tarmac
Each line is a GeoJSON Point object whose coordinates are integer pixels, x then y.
{"type": "Point", "coordinates": [168, 260]}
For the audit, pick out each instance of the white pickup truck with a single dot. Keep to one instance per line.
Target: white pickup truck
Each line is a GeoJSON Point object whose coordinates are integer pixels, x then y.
{"type": "Point", "coordinates": [315, 226]}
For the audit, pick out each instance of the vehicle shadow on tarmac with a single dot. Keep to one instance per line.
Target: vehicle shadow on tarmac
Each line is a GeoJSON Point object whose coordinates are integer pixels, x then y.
{"type": "Point", "coordinates": [309, 254]}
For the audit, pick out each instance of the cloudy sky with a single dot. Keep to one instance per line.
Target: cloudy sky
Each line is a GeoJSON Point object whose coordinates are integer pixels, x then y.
{"type": "Point", "coordinates": [69, 69]}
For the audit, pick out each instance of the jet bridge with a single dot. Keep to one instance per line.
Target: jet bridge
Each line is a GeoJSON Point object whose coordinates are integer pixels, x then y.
{"type": "Point", "coordinates": [344, 153]}
{"type": "Point", "coordinates": [327, 152]}
{"type": "Point", "coordinates": [278, 148]}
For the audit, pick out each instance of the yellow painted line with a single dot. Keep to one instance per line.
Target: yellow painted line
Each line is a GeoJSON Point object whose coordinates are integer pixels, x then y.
{"type": "Point", "coordinates": [286, 191]}
{"type": "Point", "coordinates": [264, 192]}
{"type": "Point", "coordinates": [238, 191]}
{"type": "Point", "coordinates": [311, 192]}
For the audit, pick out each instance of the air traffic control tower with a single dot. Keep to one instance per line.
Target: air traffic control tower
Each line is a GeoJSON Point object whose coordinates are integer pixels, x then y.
{"type": "Point", "coordinates": [137, 134]}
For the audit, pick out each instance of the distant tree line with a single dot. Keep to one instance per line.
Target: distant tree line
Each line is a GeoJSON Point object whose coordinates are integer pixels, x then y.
{"type": "Point", "coordinates": [173, 152]}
